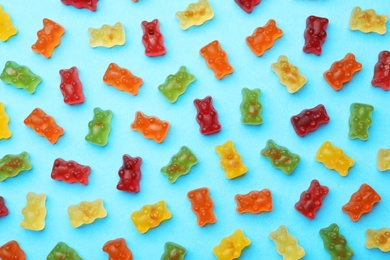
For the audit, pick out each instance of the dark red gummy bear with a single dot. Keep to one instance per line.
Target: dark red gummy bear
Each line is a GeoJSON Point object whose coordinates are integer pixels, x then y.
{"type": "Point", "coordinates": [71, 87]}
{"type": "Point", "coordinates": [152, 38]}
{"type": "Point", "coordinates": [3, 208]}
{"type": "Point", "coordinates": [130, 174]}
{"type": "Point", "coordinates": [311, 199]}
{"type": "Point", "coordinates": [207, 116]}
{"type": "Point", "coordinates": [315, 34]}
{"type": "Point", "coordinates": [381, 77]}
{"type": "Point", "coordinates": [309, 120]}
{"type": "Point", "coordinates": [247, 5]}
{"type": "Point", "coordinates": [88, 4]}
{"type": "Point", "coordinates": [70, 171]}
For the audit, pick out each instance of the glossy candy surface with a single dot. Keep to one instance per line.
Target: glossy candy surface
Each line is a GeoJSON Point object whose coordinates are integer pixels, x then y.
{"type": "Point", "coordinates": [12, 165]}
{"type": "Point", "coordinates": [315, 34]}
{"type": "Point", "coordinates": [150, 127]}
{"type": "Point", "coordinates": [180, 164]}
{"type": "Point", "coordinates": [150, 216]}
{"type": "Point", "coordinates": [360, 120]}
{"type": "Point", "coordinates": [368, 21]}
{"type": "Point", "coordinates": [71, 86]}
{"type": "Point", "coordinates": [152, 38]}
{"type": "Point", "coordinates": [383, 160]}
{"type": "Point", "coordinates": [207, 116]}
{"type": "Point", "coordinates": [107, 36]}
{"type": "Point", "coordinates": [334, 158]}
{"type": "Point", "coordinates": [231, 246]}
{"type": "Point", "coordinates": [173, 251]}
{"type": "Point", "coordinates": [311, 199]}
{"type": "Point", "coordinates": [254, 202]}
{"type": "Point", "coordinates": [286, 244]}
{"type": "Point", "coordinates": [263, 38]}
{"type": "Point", "coordinates": [122, 79]}
{"type": "Point", "coordinates": [7, 29]}
{"type": "Point", "coordinates": [70, 171]}
{"type": "Point", "coordinates": [3, 208]}
{"type": "Point", "coordinates": [99, 127]}
{"type": "Point", "coordinates": [280, 157]}
{"type": "Point", "coordinates": [88, 4]}
{"type": "Point", "coordinates": [288, 74]}
{"type": "Point", "coordinates": [62, 251]}
{"type": "Point", "coordinates": [381, 78]}
{"type": "Point", "coordinates": [48, 38]}
{"type": "Point", "coordinates": [309, 120]}
{"type": "Point", "coordinates": [20, 77]}
{"type": "Point", "coordinates": [195, 14]}
{"type": "Point", "coordinates": [378, 239]}
{"type": "Point", "coordinates": [230, 160]}
{"type": "Point", "coordinates": [202, 205]}
{"type": "Point", "coordinates": [130, 174]}
{"type": "Point", "coordinates": [34, 212]}
{"type": "Point", "coordinates": [86, 212]}
{"type": "Point", "coordinates": [251, 107]}
{"type": "Point", "coordinates": [117, 250]}
{"type": "Point", "coordinates": [335, 243]}
{"type": "Point", "coordinates": [5, 133]}
{"type": "Point", "coordinates": [247, 5]}
{"type": "Point", "coordinates": [216, 59]}
{"type": "Point", "coordinates": [12, 251]}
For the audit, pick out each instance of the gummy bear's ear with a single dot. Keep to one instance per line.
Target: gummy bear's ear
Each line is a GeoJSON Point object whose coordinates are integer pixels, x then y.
{"type": "Point", "coordinates": [196, 102]}
{"type": "Point", "coordinates": [155, 21]}
{"type": "Point", "coordinates": [207, 99]}
{"type": "Point", "coordinates": [182, 69]}
{"type": "Point", "coordinates": [335, 228]}
{"type": "Point", "coordinates": [272, 23]}
{"type": "Point", "coordinates": [144, 23]}
{"type": "Point", "coordinates": [257, 91]}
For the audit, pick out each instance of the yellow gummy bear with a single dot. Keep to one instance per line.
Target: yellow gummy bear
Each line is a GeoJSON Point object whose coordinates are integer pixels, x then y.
{"type": "Point", "coordinates": [286, 244]}
{"type": "Point", "coordinates": [34, 212]}
{"type": "Point", "coordinates": [107, 36]}
{"type": "Point", "coordinates": [231, 161]}
{"type": "Point", "coordinates": [384, 159]}
{"type": "Point", "coordinates": [288, 74]}
{"type": "Point", "coordinates": [7, 29]}
{"type": "Point", "coordinates": [195, 14]}
{"type": "Point", "coordinates": [231, 247]}
{"type": "Point", "coordinates": [367, 21]}
{"type": "Point", "coordinates": [86, 212]}
{"type": "Point", "coordinates": [334, 158]}
{"type": "Point", "coordinates": [378, 239]}
{"type": "Point", "coordinates": [5, 133]}
{"type": "Point", "coordinates": [150, 216]}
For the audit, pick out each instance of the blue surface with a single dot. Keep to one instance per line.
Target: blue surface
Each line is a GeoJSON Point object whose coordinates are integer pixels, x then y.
{"type": "Point", "coordinates": [230, 26]}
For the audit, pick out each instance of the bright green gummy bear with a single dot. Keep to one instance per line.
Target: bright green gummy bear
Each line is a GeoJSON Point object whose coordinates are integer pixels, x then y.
{"type": "Point", "coordinates": [335, 243]}
{"type": "Point", "coordinates": [280, 157]}
{"type": "Point", "coordinates": [99, 127]}
{"type": "Point", "coordinates": [176, 85]}
{"type": "Point", "coordinates": [20, 77]}
{"type": "Point", "coordinates": [12, 165]}
{"type": "Point", "coordinates": [180, 164]}
{"type": "Point", "coordinates": [251, 107]}
{"type": "Point", "coordinates": [63, 252]}
{"type": "Point", "coordinates": [173, 251]}
{"type": "Point", "coordinates": [360, 120]}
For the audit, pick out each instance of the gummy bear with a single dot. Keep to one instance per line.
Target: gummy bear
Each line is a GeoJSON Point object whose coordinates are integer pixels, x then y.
{"type": "Point", "coordinates": [251, 107]}
{"type": "Point", "coordinates": [202, 205]}
{"type": "Point", "coordinates": [5, 133]}
{"type": "Point", "coordinates": [88, 4]}
{"type": "Point", "coordinates": [12, 251]}
{"type": "Point", "coordinates": [254, 202]}
{"type": "Point", "coordinates": [20, 77]}
{"type": "Point", "coordinates": [230, 160]}
{"type": "Point", "coordinates": [378, 239]}
{"type": "Point", "coordinates": [12, 165]}
{"type": "Point", "coordinates": [263, 38]}
{"type": "Point", "coordinates": [107, 36]}
{"type": "Point", "coordinates": [360, 120]}
{"type": "Point", "coordinates": [383, 159]}
{"type": "Point", "coordinates": [3, 208]}
{"type": "Point", "coordinates": [247, 5]}
{"type": "Point", "coordinates": [315, 34]}
{"type": "Point", "coordinates": [86, 212]}
{"type": "Point", "coordinates": [130, 174]}
{"type": "Point", "coordinates": [48, 38]}
{"type": "Point", "coordinates": [311, 199]}
{"type": "Point", "coordinates": [122, 79]}
{"type": "Point", "coordinates": [173, 251]}
{"type": "Point", "coordinates": [361, 202]}
{"type": "Point", "coordinates": [150, 126]}
{"type": "Point", "coordinates": [70, 171]}
{"type": "Point", "coordinates": [34, 212]}
{"type": "Point", "coordinates": [44, 125]}
{"type": "Point", "coordinates": [216, 59]}
{"type": "Point", "coordinates": [280, 157]}
{"type": "Point", "coordinates": [288, 74]}
{"type": "Point", "coordinates": [176, 85]}
{"type": "Point", "coordinates": [368, 21]}
{"type": "Point", "coordinates": [62, 251]}
{"type": "Point", "coordinates": [342, 71]}
{"type": "Point", "coordinates": [99, 127]}
{"type": "Point", "coordinates": [231, 246]}
{"type": "Point", "coordinates": [286, 244]}
{"type": "Point", "coordinates": [152, 38]}
{"type": "Point", "coordinates": [71, 86]}
{"type": "Point", "coordinates": [381, 78]}
{"type": "Point", "coordinates": [196, 14]}
{"type": "Point", "coordinates": [150, 216]}
{"type": "Point", "coordinates": [7, 29]}
{"type": "Point", "coordinates": [335, 243]}
{"type": "Point", "coordinates": [180, 164]}
{"type": "Point", "coordinates": [309, 120]}
{"type": "Point", "coordinates": [117, 250]}
{"type": "Point", "coordinates": [207, 116]}
{"type": "Point", "coordinates": [334, 158]}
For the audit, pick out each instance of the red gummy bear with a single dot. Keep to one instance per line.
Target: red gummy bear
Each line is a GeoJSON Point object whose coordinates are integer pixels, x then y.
{"type": "Point", "coordinates": [71, 87]}
{"type": "Point", "coordinates": [311, 199]}
{"type": "Point", "coordinates": [207, 116]}
{"type": "Point", "coordinates": [381, 77]}
{"type": "Point", "coordinates": [70, 171]}
{"type": "Point", "coordinates": [117, 250]}
{"type": "Point", "coordinates": [152, 39]}
{"type": "Point", "coordinates": [202, 206]}
{"type": "Point", "coordinates": [12, 251]}
{"type": "Point", "coordinates": [247, 5]}
{"type": "Point", "coordinates": [130, 174]}
{"type": "Point", "coordinates": [3, 207]}
{"type": "Point", "coordinates": [309, 120]}
{"type": "Point", "coordinates": [254, 202]}
{"type": "Point", "coordinates": [315, 34]}
{"type": "Point", "coordinates": [88, 4]}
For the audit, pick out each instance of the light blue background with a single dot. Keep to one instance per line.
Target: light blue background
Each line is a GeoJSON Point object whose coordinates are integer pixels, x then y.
{"type": "Point", "coordinates": [230, 26]}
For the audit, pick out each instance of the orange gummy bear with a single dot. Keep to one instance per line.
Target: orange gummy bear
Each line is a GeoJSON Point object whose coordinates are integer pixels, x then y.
{"type": "Point", "coordinates": [150, 126]}
{"type": "Point", "coordinates": [12, 251]}
{"type": "Point", "coordinates": [342, 71]}
{"type": "Point", "coordinates": [44, 125]}
{"type": "Point", "coordinates": [48, 38]}
{"type": "Point", "coordinates": [263, 38]}
{"type": "Point", "coordinates": [117, 250]}
{"type": "Point", "coordinates": [216, 59]}
{"type": "Point", "coordinates": [122, 79]}
{"type": "Point", "coordinates": [254, 202]}
{"type": "Point", "coordinates": [202, 206]}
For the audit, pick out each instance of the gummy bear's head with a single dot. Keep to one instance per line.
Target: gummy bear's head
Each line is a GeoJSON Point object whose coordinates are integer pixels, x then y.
{"type": "Point", "coordinates": [150, 28]}
{"type": "Point", "coordinates": [140, 121]}
{"type": "Point", "coordinates": [253, 95]}
{"type": "Point", "coordinates": [203, 105]}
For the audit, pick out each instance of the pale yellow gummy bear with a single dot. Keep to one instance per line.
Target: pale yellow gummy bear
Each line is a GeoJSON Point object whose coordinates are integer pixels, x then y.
{"type": "Point", "coordinates": [5, 133]}
{"type": "Point", "coordinates": [7, 29]}
{"type": "Point", "coordinates": [230, 160]}
{"type": "Point", "coordinates": [367, 21]}
{"type": "Point", "coordinates": [378, 239]}
{"type": "Point", "coordinates": [384, 159]}
{"type": "Point", "coordinates": [334, 158]}
{"type": "Point", "coordinates": [86, 212]}
{"type": "Point", "coordinates": [195, 14]}
{"type": "Point", "coordinates": [107, 36]}
{"type": "Point", "coordinates": [150, 216]}
{"type": "Point", "coordinates": [286, 244]}
{"type": "Point", "coordinates": [34, 212]}
{"type": "Point", "coordinates": [231, 246]}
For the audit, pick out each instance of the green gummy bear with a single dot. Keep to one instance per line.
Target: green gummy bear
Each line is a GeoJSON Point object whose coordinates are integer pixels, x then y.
{"type": "Point", "coordinates": [335, 243]}
{"type": "Point", "coordinates": [360, 120]}
{"type": "Point", "coordinates": [180, 164]}
{"type": "Point", "coordinates": [12, 165]}
{"type": "Point", "coordinates": [173, 251]}
{"type": "Point", "coordinates": [280, 157]}
{"type": "Point", "coordinates": [99, 127]}
{"type": "Point", "coordinates": [20, 77]}
{"type": "Point", "coordinates": [176, 85]}
{"type": "Point", "coordinates": [251, 107]}
{"type": "Point", "coordinates": [63, 252]}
